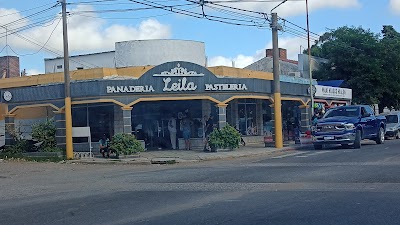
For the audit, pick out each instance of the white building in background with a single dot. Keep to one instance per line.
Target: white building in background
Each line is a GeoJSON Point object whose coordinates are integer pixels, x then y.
{"type": "Point", "coordinates": [134, 53]}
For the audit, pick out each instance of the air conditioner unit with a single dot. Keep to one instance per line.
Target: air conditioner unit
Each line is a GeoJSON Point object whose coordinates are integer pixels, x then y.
{"type": "Point", "coordinates": [295, 74]}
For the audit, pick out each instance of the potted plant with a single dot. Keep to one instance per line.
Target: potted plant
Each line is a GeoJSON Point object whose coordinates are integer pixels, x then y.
{"type": "Point", "coordinates": [225, 138]}
{"type": "Point", "coordinates": [125, 144]}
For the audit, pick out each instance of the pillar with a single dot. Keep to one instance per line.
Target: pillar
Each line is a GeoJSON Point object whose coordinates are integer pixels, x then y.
{"type": "Point", "coordinates": [59, 118]}
{"type": "Point", "coordinates": [9, 123]}
{"type": "Point", "coordinates": [127, 120]}
{"type": "Point", "coordinates": [222, 115]}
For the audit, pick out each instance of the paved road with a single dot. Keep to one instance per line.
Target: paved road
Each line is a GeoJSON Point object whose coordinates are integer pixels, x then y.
{"type": "Point", "coordinates": [331, 186]}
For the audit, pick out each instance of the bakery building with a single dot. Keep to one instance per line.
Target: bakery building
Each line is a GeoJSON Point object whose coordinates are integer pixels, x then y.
{"type": "Point", "coordinates": [144, 89]}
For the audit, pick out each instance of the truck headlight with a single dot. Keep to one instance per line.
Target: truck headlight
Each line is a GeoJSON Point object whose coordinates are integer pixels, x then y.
{"type": "Point", "coordinates": [349, 126]}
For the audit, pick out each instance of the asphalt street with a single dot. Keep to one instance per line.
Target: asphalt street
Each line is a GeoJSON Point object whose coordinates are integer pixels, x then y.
{"type": "Point", "coordinates": [335, 185]}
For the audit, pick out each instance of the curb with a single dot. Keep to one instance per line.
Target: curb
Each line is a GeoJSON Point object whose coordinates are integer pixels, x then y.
{"type": "Point", "coordinates": [175, 160]}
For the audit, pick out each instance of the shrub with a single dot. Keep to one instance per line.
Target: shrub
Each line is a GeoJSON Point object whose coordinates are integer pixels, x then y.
{"type": "Point", "coordinates": [125, 144]}
{"type": "Point", "coordinates": [45, 132]}
{"type": "Point", "coordinates": [19, 145]}
{"type": "Point", "coordinates": [227, 137]}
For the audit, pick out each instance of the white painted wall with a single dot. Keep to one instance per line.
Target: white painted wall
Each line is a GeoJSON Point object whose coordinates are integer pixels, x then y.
{"type": "Point", "coordinates": [156, 52]}
{"type": "Point", "coordinates": [102, 59]}
{"type": "Point", "coordinates": [135, 53]}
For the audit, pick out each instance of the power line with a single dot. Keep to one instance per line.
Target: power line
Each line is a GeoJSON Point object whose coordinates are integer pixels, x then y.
{"type": "Point", "coordinates": [31, 15]}
{"type": "Point", "coordinates": [3, 48]}
{"type": "Point", "coordinates": [126, 10]}
{"type": "Point", "coordinates": [29, 26]}
{"type": "Point", "coordinates": [27, 9]}
{"type": "Point", "coordinates": [43, 44]}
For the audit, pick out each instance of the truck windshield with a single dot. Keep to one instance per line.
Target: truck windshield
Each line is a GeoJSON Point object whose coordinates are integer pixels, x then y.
{"type": "Point", "coordinates": [346, 112]}
{"type": "Point", "coordinates": [392, 119]}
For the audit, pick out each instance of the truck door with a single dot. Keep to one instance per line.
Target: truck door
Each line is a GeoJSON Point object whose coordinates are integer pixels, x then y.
{"type": "Point", "coordinates": [368, 120]}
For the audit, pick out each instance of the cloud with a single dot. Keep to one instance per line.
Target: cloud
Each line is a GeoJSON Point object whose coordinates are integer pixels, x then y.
{"type": "Point", "coordinates": [86, 32]}
{"type": "Point", "coordinates": [394, 6]}
{"type": "Point", "coordinates": [292, 45]}
{"type": "Point", "coordinates": [31, 72]}
{"type": "Point", "coordinates": [294, 8]}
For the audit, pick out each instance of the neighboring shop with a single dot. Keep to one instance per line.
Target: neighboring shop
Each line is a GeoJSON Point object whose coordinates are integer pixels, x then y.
{"type": "Point", "coordinates": [142, 100]}
{"type": "Point", "coordinates": [327, 97]}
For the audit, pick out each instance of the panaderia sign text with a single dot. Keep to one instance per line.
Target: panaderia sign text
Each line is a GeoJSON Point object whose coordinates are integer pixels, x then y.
{"type": "Point", "coordinates": [182, 84]}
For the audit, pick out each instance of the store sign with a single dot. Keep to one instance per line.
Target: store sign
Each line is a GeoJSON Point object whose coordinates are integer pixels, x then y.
{"type": "Point", "coordinates": [333, 92]}
{"type": "Point", "coordinates": [178, 79]}
{"type": "Point", "coordinates": [178, 71]}
{"type": "Point", "coordinates": [225, 87]}
{"type": "Point", "coordinates": [181, 85]}
{"type": "Point", "coordinates": [129, 89]}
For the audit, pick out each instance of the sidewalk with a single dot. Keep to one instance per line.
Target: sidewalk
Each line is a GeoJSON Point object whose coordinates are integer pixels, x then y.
{"type": "Point", "coordinates": [182, 156]}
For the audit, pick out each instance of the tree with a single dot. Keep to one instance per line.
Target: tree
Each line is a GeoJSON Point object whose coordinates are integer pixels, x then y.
{"type": "Point", "coordinates": [361, 59]}
{"type": "Point", "coordinates": [390, 48]}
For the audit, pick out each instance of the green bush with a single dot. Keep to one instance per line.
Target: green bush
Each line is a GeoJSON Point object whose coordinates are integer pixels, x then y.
{"type": "Point", "coordinates": [125, 144]}
{"type": "Point", "coordinates": [19, 144]}
{"type": "Point", "coordinates": [45, 132]}
{"type": "Point", "coordinates": [227, 137]}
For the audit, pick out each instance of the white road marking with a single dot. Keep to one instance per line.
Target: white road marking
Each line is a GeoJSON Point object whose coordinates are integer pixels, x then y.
{"type": "Point", "coordinates": [287, 155]}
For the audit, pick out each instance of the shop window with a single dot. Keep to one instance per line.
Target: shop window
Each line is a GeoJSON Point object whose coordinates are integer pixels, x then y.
{"type": "Point", "coordinates": [267, 118]}
{"type": "Point", "coordinates": [150, 121]}
{"type": "Point", "coordinates": [247, 117]}
{"type": "Point", "coordinates": [291, 117]}
{"type": "Point", "coordinates": [99, 117]}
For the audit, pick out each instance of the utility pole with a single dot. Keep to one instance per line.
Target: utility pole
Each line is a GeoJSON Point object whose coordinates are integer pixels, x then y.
{"type": "Point", "coordinates": [8, 58]}
{"type": "Point", "coordinates": [277, 85]}
{"type": "Point", "coordinates": [67, 91]}
{"type": "Point", "coordinates": [309, 65]}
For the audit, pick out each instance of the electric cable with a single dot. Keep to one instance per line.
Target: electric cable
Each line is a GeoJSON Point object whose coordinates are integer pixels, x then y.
{"type": "Point", "coordinates": [43, 44]}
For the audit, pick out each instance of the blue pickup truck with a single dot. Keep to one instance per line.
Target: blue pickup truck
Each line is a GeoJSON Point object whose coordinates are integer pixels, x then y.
{"type": "Point", "coordinates": [347, 125]}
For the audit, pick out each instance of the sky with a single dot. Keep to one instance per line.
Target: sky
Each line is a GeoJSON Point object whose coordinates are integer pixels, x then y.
{"type": "Point", "coordinates": [32, 30]}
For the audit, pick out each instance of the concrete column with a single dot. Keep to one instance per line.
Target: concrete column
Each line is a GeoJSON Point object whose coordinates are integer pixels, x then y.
{"type": "Point", "coordinates": [59, 118]}
{"type": "Point", "coordinates": [127, 119]}
{"type": "Point", "coordinates": [9, 123]}
{"type": "Point", "coordinates": [222, 115]}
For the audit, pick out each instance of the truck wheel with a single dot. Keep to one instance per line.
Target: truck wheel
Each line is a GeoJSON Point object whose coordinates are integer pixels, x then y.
{"type": "Point", "coordinates": [381, 136]}
{"type": "Point", "coordinates": [357, 141]}
{"type": "Point", "coordinates": [317, 147]}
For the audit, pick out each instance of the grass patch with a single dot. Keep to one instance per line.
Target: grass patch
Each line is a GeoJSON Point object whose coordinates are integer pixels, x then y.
{"type": "Point", "coordinates": [20, 157]}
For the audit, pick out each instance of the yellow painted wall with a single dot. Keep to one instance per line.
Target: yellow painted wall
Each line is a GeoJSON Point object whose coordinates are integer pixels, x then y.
{"type": "Point", "coordinates": [241, 73]}
{"type": "Point", "coordinates": [99, 73]}
{"type": "Point", "coordinates": [3, 111]}
{"type": "Point", "coordinates": [34, 113]}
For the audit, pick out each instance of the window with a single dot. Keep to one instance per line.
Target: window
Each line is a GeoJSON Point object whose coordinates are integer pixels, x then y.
{"type": "Point", "coordinates": [370, 111]}
{"type": "Point", "coordinates": [392, 119]}
{"type": "Point", "coordinates": [59, 67]}
{"type": "Point", "coordinates": [79, 68]}
{"type": "Point", "coordinates": [345, 112]}
{"type": "Point", "coordinates": [99, 117]}
{"type": "Point", "coordinates": [247, 117]}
